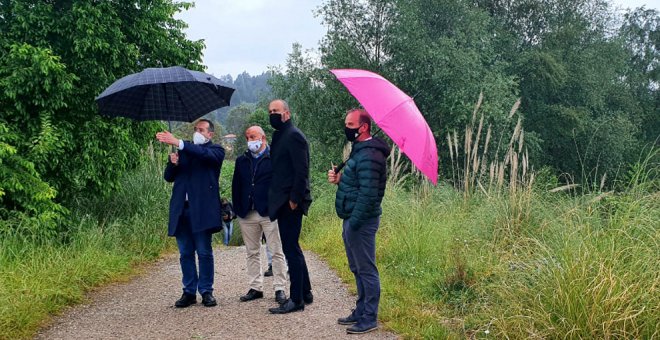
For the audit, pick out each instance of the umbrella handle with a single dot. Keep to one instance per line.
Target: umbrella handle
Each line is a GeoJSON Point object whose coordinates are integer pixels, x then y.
{"type": "Point", "coordinates": [339, 167]}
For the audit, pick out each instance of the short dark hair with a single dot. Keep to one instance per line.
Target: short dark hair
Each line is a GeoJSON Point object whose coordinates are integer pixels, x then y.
{"type": "Point", "coordinates": [211, 127]}
{"type": "Point", "coordinates": [364, 117]}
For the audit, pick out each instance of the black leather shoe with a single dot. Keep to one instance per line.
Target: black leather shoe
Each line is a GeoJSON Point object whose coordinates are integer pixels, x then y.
{"type": "Point", "coordinates": [362, 327]}
{"type": "Point", "coordinates": [349, 320]}
{"type": "Point", "coordinates": [208, 300]}
{"type": "Point", "coordinates": [252, 295]}
{"type": "Point", "coordinates": [280, 297]}
{"type": "Point", "coordinates": [269, 272]}
{"type": "Point", "coordinates": [287, 307]}
{"type": "Point", "coordinates": [308, 298]}
{"type": "Point", "coordinates": [185, 300]}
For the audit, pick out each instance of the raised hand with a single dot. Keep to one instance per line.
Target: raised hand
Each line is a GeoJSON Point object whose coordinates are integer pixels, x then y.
{"type": "Point", "coordinates": [167, 138]}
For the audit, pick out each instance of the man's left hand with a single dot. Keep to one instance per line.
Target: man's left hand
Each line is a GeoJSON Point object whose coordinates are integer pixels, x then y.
{"type": "Point", "coordinates": [167, 138]}
{"type": "Point", "coordinates": [292, 205]}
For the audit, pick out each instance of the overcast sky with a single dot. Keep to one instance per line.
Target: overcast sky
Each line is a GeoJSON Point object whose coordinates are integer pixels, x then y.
{"type": "Point", "coordinates": [251, 35]}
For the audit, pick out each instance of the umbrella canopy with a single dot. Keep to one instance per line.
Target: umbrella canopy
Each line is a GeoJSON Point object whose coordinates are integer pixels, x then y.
{"type": "Point", "coordinates": [170, 93]}
{"type": "Point", "coordinates": [397, 115]}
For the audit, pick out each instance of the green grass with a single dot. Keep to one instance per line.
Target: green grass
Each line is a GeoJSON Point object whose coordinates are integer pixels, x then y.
{"type": "Point", "coordinates": [107, 240]}
{"type": "Point", "coordinates": [536, 265]}
{"type": "Point", "coordinates": [570, 267]}
{"type": "Point", "coordinates": [45, 278]}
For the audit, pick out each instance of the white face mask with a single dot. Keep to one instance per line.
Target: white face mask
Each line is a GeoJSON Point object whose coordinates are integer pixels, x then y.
{"type": "Point", "coordinates": [254, 145]}
{"type": "Point", "coordinates": [198, 138]}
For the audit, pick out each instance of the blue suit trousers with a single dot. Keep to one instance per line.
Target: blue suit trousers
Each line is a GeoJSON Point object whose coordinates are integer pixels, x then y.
{"type": "Point", "coordinates": [190, 243]}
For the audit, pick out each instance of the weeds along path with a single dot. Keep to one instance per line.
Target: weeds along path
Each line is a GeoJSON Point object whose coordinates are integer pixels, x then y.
{"type": "Point", "coordinates": [144, 307]}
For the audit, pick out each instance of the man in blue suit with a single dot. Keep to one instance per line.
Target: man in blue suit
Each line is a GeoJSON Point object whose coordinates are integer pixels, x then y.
{"type": "Point", "coordinates": [195, 208]}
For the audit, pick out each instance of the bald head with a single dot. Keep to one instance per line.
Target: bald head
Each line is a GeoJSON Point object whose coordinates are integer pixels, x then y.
{"type": "Point", "coordinates": [282, 103]}
{"type": "Point", "coordinates": [255, 130]}
{"type": "Point", "coordinates": [279, 106]}
{"type": "Point", "coordinates": [256, 134]}
{"type": "Point", "coordinates": [359, 119]}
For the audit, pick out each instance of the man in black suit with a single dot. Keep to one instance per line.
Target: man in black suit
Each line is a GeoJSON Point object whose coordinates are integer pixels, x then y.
{"type": "Point", "coordinates": [289, 198]}
{"type": "Point", "coordinates": [195, 208]}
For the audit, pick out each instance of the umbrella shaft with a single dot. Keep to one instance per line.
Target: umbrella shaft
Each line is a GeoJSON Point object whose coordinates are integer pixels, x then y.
{"type": "Point", "coordinates": [339, 167]}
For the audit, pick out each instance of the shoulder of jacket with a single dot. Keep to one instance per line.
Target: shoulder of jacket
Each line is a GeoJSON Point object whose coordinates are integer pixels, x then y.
{"type": "Point", "coordinates": [211, 145]}
{"type": "Point", "coordinates": [298, 131]}
{"type": "Point", "coordinates": [298, 135]}
{"type": "Point", "coordinates": [376, 151]}
{"type": "Point", "coordinates": [370, 154]}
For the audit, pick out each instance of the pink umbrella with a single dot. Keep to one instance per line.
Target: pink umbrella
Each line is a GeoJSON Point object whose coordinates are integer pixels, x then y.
{"type": "Point", "coordinates": [396, 114]}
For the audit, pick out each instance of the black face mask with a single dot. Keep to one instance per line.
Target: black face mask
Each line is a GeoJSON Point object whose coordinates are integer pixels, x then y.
{"type": "Point", "coordinates": [352, 134]}
{"type": "Point", "coordinates": [276, 120]}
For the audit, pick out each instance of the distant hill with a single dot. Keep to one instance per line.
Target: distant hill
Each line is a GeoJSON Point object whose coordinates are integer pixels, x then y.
{"type": "Point", "coordinates": [249, 89]}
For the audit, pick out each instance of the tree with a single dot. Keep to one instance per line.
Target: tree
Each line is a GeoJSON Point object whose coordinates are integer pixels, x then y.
{"type": "Point", "coordinates": [588, 86]}
{"type": "Point", "coordinates": [55, 57]}
{"type": "Point", "coordinates": [440, 52]}
{"type": "Point", "coordinates": [236, 118]}
{"type": "Point", "coordinates": [570, 69]}
{"type": "Point", "coordinates": [641, 35]}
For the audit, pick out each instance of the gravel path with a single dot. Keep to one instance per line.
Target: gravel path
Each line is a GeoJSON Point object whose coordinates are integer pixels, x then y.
{"type": "Point", "coordinates": [144, 308]}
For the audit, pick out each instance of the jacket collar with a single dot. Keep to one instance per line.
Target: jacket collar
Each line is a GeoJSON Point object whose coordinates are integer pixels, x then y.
{"type": "Point", "coordinates": [263, 154]}
{"type": "Point", "coordinates": [288, 124]}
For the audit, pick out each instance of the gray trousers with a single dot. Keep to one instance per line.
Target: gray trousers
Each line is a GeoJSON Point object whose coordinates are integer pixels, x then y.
{"type": "Point", "coordinates": [361, 253]}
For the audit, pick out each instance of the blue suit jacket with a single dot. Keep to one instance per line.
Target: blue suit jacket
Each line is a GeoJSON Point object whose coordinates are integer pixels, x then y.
{"type": "Point", "coordinates": [197, 174]}
{"type": "Point", "coordinates": [251, 181]}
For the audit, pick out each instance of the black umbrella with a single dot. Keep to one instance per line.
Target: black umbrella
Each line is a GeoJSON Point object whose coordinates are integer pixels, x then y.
{"type": "Point", "coordinates": [170, 93]}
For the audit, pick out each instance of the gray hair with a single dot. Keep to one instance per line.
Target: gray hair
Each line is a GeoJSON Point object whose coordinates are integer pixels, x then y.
{"type": "Point", "coordinates": [258, 128]}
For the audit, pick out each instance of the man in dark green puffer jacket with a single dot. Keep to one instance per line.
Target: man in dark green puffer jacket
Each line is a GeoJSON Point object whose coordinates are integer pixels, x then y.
{"type": "Point", "coordinates": [358, 203]}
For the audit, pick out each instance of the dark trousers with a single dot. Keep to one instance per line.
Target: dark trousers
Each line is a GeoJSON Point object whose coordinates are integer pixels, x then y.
{"type": "Point", "coordinates": [190, 243]}
{"type": "Point", "coordinates": [290, 224]}
{"type": "Point", "coordinates": [361, 253]}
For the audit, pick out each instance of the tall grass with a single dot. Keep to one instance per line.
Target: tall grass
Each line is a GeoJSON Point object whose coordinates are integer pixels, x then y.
{"type": "Point", "coordinates": [107, 240]}
{"type": "Point", "coordinates": [456, 267]}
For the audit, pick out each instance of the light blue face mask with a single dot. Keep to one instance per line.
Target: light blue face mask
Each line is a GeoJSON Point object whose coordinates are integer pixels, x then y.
{"type": "Point", "coordinates": [254, 145]}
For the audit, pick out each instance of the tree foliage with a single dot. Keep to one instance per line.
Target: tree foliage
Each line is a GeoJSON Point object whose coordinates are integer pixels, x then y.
{"type": "Point", "coordinates": [55, 57]}
{"type": "Point", "coordinates": [586, 75]}
{"type": "Point", "coordinates": [249, 89]}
